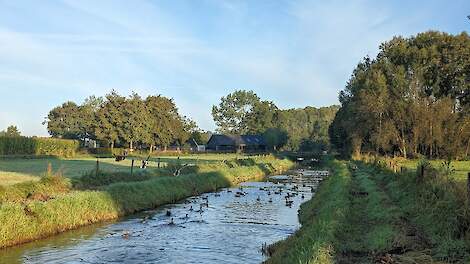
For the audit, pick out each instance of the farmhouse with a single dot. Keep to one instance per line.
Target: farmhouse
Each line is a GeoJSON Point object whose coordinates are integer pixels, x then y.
{"type": "Point", "coordinates": [245, 143]}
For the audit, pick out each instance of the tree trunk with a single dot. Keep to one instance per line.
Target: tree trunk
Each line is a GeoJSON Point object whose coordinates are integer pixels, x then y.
{"type": "Point", "coordinates": [151, 149]}
{"type": "Point", "coordinates": [112, 147]}
{"type": "Point", "coordinates": [130, 145]}
{"type": "Point", "coordinates": [403, 144]}
{"type": "Point", "coordinates": [468, 148]}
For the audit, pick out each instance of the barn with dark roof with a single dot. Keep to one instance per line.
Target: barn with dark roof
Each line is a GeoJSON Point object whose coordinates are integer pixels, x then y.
{"type": "Point", "coordinates": [245, 143]}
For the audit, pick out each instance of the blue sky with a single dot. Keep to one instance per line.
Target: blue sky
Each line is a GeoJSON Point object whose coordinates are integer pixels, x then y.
{"type": "Point", "coordinates": [295, 53]}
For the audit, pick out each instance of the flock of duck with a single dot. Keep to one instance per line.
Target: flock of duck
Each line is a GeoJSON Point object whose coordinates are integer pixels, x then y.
{"type": "Point", "coordinates": [289, 190]}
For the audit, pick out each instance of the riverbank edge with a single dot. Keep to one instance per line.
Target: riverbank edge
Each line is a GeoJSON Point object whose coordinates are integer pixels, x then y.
{"type": "Point", "coordinates": [26, 222]}
{"type": "Point", "coordinates": [320, 218]}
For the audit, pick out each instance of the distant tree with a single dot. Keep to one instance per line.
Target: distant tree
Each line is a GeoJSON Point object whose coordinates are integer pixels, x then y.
{"type": "Point", "coordinates": [261, 117]}
{"type": "Point", "coordinates": [166, 125]}
{"type": "Point", "coordinates": [88, 111]}
{"type": "Point", "coordinates": [275, 138]}
{"type": "Point", "coordinates": [109, 124]}
{"type": "Point", "coordinates": [243, 112]}
{"type": "Point", "coordinates": [65, 121]}
{"type": "Point", "coordinates": [135, 115]}
{"type": "Point", "coordinates": [11, 131]}
{"type": "Point", "coordinates": [230, 114]}
{"type": "Point", "coordinates": [200, 136]}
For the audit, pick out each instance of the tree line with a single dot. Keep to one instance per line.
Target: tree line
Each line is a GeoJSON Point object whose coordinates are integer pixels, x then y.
{"type": "Point", "coordinates": [413, 99]}
{"type": "Point", "coordinates": [305, 129]}
{"type": "Point", "coordinates": [123, 121]}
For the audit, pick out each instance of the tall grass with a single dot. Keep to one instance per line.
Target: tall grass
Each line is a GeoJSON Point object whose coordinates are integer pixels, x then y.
{"type": "Point", "coordinates": [32, 219]}
{"type": "Point", "coordinates": [47, 187]}
{"type": "Point", "coordinates": [438, 205]}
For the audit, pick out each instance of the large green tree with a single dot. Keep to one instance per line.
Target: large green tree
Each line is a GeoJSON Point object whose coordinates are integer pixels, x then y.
{"type": "Point", "coordinates": [412, 99]}
{"type": "Point", "coordinates": [230, 114]}
{"type": "Point", "coordinates": [109, 120]}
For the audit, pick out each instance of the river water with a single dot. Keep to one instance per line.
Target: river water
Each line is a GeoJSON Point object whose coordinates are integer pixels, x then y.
{"type": "Point", "coordinates": [232, 226]}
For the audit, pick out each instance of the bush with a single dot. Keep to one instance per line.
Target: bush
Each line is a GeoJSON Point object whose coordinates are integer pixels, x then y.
{"type": "Point", "coordinates": [17, 145]}
{"type": "Point", "coordinates": [56, 147]}
{"type": "Point", "coordinates": [38, 146]}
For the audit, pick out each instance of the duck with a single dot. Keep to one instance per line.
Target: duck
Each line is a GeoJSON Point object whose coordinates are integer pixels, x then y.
{"type": "Point", "coordinates": [270, 200]}
{"type": "Point", "coordinates": [168, 213]}
{"type": "Point", "coordinates": [172, 222]}
{"type": "Point", "coordinates": [125, 235]}
{"type": "Point", "coordinates": [303, 197]}
{"type": "Point", "coordinates": [144, 220]}
{"type": "Point", "coordinates": [191, 208]}
{"type": "Point", "coordinates": [258, 198]}
{"type": "Point", "coordinates": [229, 191]}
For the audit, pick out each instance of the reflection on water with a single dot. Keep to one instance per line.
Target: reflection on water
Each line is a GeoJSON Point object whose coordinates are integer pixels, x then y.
{"type": "Point", "coordinates": [229, 226]}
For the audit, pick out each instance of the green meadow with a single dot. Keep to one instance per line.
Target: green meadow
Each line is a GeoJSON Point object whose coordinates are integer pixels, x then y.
{"type": "Point", "coordinates": [17, 170]}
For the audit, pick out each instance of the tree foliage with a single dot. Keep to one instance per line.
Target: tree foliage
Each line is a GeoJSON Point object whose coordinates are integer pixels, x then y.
{"type": "Point", "coordinates": [126, 121]}
{"type": "Point", "coordinates": [11, 131]}
{"type": "Point", "coordinates": [230, 114]}
{"type": "Point", "coordinates": [286, 129]}
{"type": "Point", "coordinates": [412, 99]}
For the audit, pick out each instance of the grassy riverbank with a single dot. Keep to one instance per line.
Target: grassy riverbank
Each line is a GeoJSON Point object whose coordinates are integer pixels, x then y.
{"type": "Point", "coordinates": [320, 217]}
{"type": "Point", "coordinates": [373, 215]}
{"type": "Point", "coordinates": [26, 218]}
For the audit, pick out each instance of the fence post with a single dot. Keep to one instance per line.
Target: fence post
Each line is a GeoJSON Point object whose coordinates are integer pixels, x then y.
{"type": "Point", "coordinates": [158, 162]}
{"type": "Point", "coordinates": [421, 173]}
{"type": "Point", "coordinates": [97, 166]}
{"type": "Point", "coordinates": [468, 187]}
{"type": "Point", "coordinates": [132, 166]}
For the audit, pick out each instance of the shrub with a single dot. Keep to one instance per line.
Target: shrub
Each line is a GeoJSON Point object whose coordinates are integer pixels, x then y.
{"type": "Point", "coordinates": [38, 146]}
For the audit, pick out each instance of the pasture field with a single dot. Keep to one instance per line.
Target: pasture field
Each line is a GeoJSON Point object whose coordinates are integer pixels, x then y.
{"type": "Point", "coordinates": [461, 168]}
{"type": "Point", "coordinates": [14, 171]}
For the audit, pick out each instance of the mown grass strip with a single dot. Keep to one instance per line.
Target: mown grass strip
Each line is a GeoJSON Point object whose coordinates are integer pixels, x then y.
{"type": "Point", "coordinates": [31, 220]}
{"type": "Point", "coordinates": [373, 226]}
